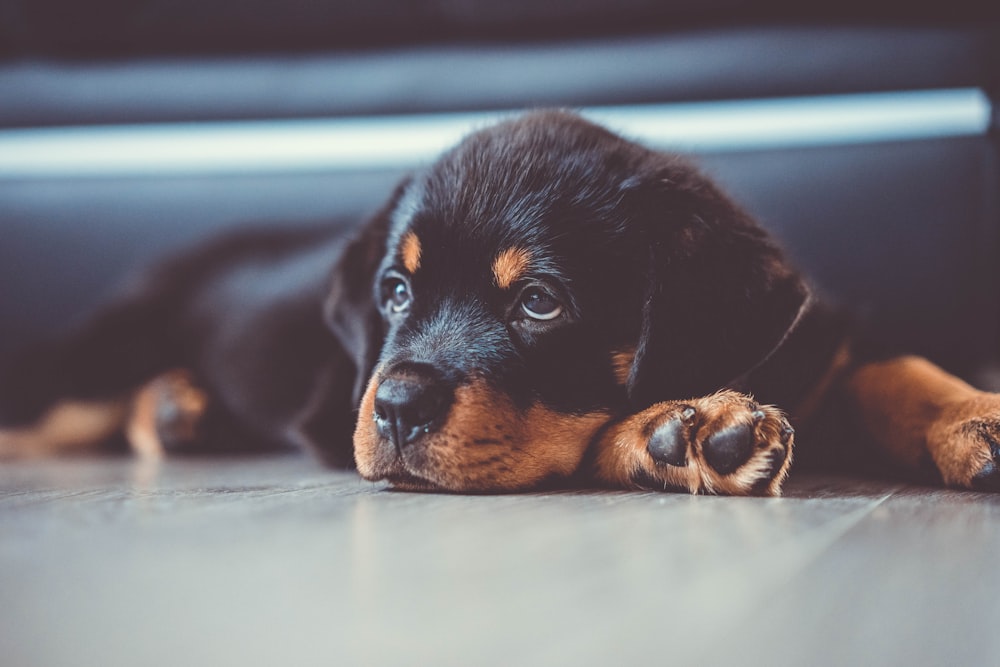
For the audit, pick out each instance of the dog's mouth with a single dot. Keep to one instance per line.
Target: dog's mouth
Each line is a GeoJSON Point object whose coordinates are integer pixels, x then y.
{"type": "Point", "coordinates": [484, 444]}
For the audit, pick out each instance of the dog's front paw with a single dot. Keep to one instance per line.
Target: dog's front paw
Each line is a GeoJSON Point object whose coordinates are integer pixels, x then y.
{"type": "Point", "coordinates": [722, 444]}
{"type": "Point", "coordinates": [965, 443]}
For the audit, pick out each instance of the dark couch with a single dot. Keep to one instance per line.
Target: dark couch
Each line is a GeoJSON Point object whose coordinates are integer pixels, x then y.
{"type": "Point", "coordinates": [906, 228]}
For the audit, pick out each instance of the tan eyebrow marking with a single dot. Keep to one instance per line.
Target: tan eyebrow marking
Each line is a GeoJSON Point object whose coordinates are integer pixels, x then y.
{"type": "Point", "coordinates": [410, 251]}
{"type": "Point", "coordinates": [510, 265]}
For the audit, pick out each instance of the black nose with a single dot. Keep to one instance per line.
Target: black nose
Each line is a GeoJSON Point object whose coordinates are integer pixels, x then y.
{"type": "Point", "coordinates": [410, 402]}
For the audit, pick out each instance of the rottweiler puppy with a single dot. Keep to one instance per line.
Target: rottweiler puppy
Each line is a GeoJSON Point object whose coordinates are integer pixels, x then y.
{"type": "Point", "coordinates": [546, 303]}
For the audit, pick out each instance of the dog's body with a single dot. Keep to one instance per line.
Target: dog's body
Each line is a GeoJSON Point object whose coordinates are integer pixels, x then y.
{"type": "Point", "coordinates": [546, 302]}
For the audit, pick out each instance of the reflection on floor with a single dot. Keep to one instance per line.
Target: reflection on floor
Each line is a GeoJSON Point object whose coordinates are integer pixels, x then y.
{"type": "Point", "coordinates": [275, 561]}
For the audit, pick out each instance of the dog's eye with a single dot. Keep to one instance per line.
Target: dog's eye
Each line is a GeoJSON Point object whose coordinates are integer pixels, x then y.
{"type": "Point", "coordinates": [539, 304]}
{"type": "Point", "coordinates": [396, 293]}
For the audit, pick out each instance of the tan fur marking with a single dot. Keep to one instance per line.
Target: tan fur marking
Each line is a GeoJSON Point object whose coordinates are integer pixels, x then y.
{"type": "Point", "coordinates": [510, 265]}
{"type": "Point", "coordinates": [176, 390]}
{"type": "Point", "coordinates": [899, 400]}
{"type": "Point", "coordinates": [69, 427]}
{"type": "Point", "coordinates": [368, 456]}
{"type": "Point", "coordinates": [141, 427]}
{"type": "Point", "coordinates": [916, 410]}
{"type": "Point", "coordinates": [410, 251]}
{"type": "Point", "coordinates": [621, 364]}
{"type": "Point", "coordinates": [486, 444]}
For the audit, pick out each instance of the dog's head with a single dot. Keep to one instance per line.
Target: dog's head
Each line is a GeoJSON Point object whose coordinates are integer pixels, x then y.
{"type": "Point", "coordinates": [540, 279]}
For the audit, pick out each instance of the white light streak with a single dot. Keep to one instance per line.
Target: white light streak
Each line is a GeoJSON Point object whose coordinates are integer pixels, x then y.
{"type": "Point", "coordinates": [405, 141]}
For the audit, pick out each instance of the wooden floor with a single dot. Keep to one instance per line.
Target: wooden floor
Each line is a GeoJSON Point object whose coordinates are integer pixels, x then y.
{"type": "Point", "coordinates": [275, 561]}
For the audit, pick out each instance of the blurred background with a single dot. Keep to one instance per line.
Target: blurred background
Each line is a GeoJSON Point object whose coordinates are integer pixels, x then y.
{"type": "Point", "coordinates": [862, 134]}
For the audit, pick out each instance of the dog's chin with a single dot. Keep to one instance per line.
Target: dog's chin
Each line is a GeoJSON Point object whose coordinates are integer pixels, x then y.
{"type": "Point", "coordinates": [407, 482]}
{"type": "Point", "coordinates": [403, 476]}
{"type": "Point", "coordinates": [397, 474]}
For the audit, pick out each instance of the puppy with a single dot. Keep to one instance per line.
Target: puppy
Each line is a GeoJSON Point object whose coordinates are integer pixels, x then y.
{"type": "Point", "coordinates": [547, 303]}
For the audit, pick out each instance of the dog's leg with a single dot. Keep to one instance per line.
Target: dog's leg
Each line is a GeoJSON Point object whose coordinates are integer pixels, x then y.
{"type": "Point", "coordinates": [72, 393]}
{"type": "Point", "coordinates": [69, 427]}
{"type": "Point", "coordinates": [167, 414]}
{"type": "Point", "coordinates": [107, 358]}
{"type": "Point", "coordinates": [65, 397]}
{"type": "Point", "coordinates": [724, 444]}
{"type": "Point", "coordinates": [917, 412]}
{"type": "Point", "coordinates": [174, 414]}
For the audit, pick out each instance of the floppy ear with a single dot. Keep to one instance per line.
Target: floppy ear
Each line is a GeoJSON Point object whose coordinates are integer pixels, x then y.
{"type": "Point", "coordinates": [720, 296]}
{"type": "Point", "coordinates": [350, 310]}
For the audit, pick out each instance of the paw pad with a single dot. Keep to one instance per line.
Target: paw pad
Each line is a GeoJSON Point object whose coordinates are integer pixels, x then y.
{"type": "Point", "coordinates": [668, 444]}
{"type": "Point", "coordinates": [728, 449]}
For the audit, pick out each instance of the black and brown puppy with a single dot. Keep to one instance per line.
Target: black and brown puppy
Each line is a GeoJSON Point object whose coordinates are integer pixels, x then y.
{"type": "Point", "coordinates": [548, 301]}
